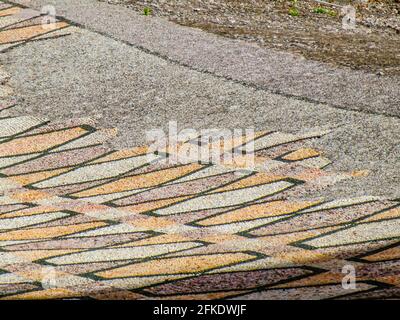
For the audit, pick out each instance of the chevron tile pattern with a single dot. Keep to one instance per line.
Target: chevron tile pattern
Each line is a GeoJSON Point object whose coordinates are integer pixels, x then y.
{"type": "Point", "coordinates": [127, 224]}
{"type": "Point", "coordinates": [19, 25]}
{"type": "Point", "coordinates": [79, 220]}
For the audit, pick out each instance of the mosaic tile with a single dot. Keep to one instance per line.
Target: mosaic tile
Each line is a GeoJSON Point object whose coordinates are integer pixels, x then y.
{"type": "Point", "coordinates": [128, 224]}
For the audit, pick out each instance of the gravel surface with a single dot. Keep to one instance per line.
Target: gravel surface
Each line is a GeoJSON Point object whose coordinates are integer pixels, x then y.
{"type": "Point", "coordinates": [373, 45]}
{"type": "Point", "coordinates": [137, 73]}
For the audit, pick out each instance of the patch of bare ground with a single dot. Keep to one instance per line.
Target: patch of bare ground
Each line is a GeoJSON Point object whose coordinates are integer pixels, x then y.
{"type": "Point", "coordinates": [308, 30]}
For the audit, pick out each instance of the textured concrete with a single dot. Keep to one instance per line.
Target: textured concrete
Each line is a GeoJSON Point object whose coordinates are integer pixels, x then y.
{"type": "Point", "coordinates": [107, 224]}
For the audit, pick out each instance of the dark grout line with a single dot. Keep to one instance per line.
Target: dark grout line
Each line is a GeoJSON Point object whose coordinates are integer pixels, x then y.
{"type": "Point", "coordinates": [226, 78]}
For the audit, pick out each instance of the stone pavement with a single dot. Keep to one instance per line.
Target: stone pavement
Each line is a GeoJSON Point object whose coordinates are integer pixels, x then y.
{"type": "Point", "coordinates": [82, 217]}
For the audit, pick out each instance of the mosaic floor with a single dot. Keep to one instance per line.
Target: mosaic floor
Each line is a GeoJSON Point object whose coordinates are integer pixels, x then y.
{"type": "Point", "coordinates": [78, 220]}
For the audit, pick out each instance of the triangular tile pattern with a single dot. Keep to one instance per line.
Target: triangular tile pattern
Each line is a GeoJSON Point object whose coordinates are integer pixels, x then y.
{"type": "Point", "coordinates": [79, 220]}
